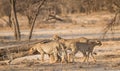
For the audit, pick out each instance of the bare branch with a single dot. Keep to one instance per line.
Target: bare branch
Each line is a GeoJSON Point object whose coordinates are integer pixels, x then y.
{"type": "Point", "coordinates": [41, 3]}
{"type": "Point", "coordinates": [111, 25]}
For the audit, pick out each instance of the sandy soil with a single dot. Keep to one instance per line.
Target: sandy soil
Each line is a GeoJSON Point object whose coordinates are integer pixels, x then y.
{"type": "Point", "coordinates": [108, 55]}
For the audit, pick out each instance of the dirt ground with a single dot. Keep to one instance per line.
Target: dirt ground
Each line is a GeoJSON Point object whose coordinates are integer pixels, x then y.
{"type": "Point", "coordinates": [108, 55]}
{"type": "Point", "coordinates": [108, 59]}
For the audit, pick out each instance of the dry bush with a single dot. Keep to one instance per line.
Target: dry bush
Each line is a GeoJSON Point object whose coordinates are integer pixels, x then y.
{"type": "Point", "coordinates": [115, 21]}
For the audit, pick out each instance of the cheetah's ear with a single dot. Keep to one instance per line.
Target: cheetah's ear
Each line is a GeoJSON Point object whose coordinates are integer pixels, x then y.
{"type": "Point", "coordinates": [99, 42]}
{"type": "Point", "coordinates": [56, 37]}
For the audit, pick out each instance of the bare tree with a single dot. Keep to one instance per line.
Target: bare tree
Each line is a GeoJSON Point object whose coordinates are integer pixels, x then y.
{"type": "Point", "coordinates": [31, 30]}
{"type": "Point", "coordinates": [115, 21]}
{"type": "Point", "coordinates": [14, 20]}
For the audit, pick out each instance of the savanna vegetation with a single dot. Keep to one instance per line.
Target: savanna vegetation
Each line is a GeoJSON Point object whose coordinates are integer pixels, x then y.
{"type": "Point", "coordinates": [65, 17]}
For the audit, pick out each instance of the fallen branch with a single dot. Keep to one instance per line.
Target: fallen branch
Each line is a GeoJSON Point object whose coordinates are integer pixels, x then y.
{"type": "Point", "coordinates": [18, 50]}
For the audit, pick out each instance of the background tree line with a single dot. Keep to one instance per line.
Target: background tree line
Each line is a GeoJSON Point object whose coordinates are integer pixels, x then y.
{"type": "Point", "coordinates": [64, 7]}
{"type": "Point", "coordinates": [28, 7]}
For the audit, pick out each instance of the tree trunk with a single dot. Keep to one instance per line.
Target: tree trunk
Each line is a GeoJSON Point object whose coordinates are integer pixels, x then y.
{"type": "Point", "coordinates": [32, 26]}
{"type": "Point", "coordinates": [10, 23]}
{"type": "Point", "coordinates": [15, 21]}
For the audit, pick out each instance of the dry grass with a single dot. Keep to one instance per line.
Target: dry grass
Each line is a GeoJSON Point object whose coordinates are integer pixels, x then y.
{"type": "Point", "coordinates": [107, 59]}
{"type": "Point", "coordinates": [107, 55]}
